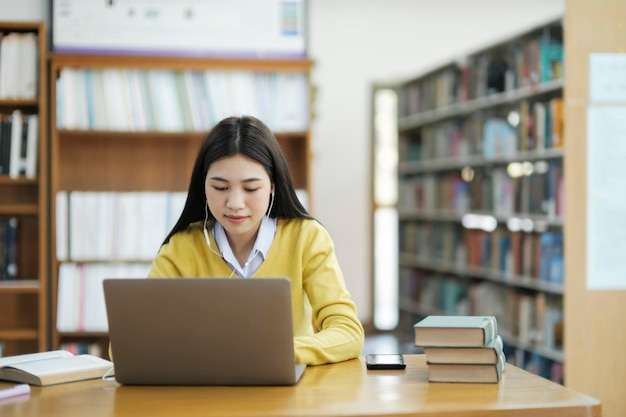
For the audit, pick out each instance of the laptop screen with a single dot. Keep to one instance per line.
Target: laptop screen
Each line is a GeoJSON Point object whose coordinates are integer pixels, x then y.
{"type": "Point", "coordinates": [201, 331]}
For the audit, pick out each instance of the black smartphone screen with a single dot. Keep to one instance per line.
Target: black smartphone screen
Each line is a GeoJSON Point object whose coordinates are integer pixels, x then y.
{"type": "Point", "coordinates": [385, 361]}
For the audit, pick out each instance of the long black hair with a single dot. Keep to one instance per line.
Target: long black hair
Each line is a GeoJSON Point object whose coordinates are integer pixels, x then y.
{"type": "Point", "coordinates": [248, 136]}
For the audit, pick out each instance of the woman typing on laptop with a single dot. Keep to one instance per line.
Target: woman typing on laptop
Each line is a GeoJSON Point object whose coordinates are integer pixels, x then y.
{"type": "Point", "coordinates": [242, 219]}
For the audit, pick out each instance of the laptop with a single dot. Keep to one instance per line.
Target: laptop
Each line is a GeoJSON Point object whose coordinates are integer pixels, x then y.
{"type": "Point", "coordinates": [201, 331]}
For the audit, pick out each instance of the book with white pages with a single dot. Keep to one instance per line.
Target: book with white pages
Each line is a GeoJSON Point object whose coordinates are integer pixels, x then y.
{"type": "Point", "coordinates": [52, 367]}
{"type": "Point", "coordinates": [487, 354]}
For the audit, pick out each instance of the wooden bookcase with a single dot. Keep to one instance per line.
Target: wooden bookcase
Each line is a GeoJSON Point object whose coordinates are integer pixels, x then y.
{"type": "Point", "coordinates": [113, 160]}
{"type": "Point", "coordinates": [480, 203]}
{"type": "Point", "coordinates": [595, 326]}
{"type": "Point", "coordinates": [24, 298]}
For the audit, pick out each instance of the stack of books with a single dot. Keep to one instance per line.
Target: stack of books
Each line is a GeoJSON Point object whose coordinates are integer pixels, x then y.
{"type": "Point", "coordinates": [466, 349]}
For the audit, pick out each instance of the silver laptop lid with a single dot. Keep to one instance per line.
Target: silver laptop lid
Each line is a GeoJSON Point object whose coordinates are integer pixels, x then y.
{"type": "Point", "coordinates": [201, 331]}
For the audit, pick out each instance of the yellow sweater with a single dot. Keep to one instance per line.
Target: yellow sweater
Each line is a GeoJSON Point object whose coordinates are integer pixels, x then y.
{"type": "Point", "coordinates": [302, 251]}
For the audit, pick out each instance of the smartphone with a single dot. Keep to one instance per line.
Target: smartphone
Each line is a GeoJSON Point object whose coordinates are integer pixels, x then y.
{"type": "Point", "coordinates": [385, 361]}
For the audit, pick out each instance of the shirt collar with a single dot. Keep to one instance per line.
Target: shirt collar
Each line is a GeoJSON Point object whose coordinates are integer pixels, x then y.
{"type": "Point", "coordinates": [262, 244]}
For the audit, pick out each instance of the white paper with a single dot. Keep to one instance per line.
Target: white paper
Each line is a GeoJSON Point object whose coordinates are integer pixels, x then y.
{"type": "Point", "coordinates": [251, 28]}
{"type": "Point", "coordinates": [607, 78]}
{"type": "Point", "coordinates": [606, 197]}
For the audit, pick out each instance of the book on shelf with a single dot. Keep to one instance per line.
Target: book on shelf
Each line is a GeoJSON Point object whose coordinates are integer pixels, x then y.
{"type": "Point", "coordinates": [467, 372]}
{"type": "Point", "coordinates": [31, 153]}
{"type": "Point", "coordinates": [80, 296]}
{"type": "Point", "coordinates": [118, 219]}
{"type": "Point", "coordinates": [19, 66]}
{"type": "Point", "coordinates": [52, 367]}
{"type": "Point", "coordinates": [8, 248]}
{"type": "Point", "coordinates": [17, 124]}
{"type": "Point", "coordinates": [499, 139]}
{"type": "Point", "coordinates": [464, 331]}
{"type": "Point", "coordinates": [487, 354]}
{"type": "Point", "coordinates": [18, 144]}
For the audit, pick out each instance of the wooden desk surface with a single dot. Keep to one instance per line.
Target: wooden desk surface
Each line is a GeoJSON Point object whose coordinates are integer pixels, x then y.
{"type": "Point", "coordinates": [343, 389]}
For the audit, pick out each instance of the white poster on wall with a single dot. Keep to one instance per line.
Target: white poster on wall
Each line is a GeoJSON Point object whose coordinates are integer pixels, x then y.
{"type": "Point", "coordinates": [222, 28]}
{"type": "Point", "coordinates": [606, 172]}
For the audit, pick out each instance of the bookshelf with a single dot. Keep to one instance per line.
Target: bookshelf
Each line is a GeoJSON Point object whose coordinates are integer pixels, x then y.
{"type": "Point", "coordinates": [480, 193]}
{"type": "Point", "coordinates": [23, 189]}
{"type": "Point", "coordinates": [107, 168]}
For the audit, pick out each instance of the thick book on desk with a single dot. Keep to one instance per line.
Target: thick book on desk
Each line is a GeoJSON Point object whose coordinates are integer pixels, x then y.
{"type": "Point", "coordinates": [54, 367]}
{"type": "Point", "coordinates": [462, 331]}
{"type": "Point", "coordinates": [467, 372]}
{"type": "Point", "coordinates": [487, 354]}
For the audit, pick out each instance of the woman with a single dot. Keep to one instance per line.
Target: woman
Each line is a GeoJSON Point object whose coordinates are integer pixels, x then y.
{"type": "Point", "coordinates": [242, 219]}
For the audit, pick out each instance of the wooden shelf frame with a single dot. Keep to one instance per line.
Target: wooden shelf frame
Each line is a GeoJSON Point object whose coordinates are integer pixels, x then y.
{"type": "Point", "coordinates": [24, 307]}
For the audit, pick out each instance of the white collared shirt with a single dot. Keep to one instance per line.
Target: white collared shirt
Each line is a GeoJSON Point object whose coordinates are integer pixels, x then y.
{"type": "Point", "coordinates": [264, 240]}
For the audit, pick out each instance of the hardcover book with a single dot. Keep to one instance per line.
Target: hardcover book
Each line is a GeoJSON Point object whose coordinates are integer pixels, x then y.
{"type": "Point", "coordinates": [464, 331]}
{"type": "Point", "coordinates": [487, 354]}
{"type": "Point", "coordinates": [54, 367]}
{"type": "Point", "coordinates": [467, 373]}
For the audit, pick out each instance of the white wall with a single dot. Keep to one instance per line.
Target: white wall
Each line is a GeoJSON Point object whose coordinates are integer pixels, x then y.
{"type": "Point", "coordinates": [355, 43]}
{"type": "Point", "coordinates": [23, 10]}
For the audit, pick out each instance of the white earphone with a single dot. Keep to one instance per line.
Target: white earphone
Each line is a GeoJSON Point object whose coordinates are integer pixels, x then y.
{"type": "Point", "coordinates": [269, 211]}
{"type": "Point", "coordinates": [206, 233]}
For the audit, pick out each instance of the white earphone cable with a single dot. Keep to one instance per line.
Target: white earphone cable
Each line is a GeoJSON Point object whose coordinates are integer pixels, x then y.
{"type": "Point", "coordinates": [206, 233]}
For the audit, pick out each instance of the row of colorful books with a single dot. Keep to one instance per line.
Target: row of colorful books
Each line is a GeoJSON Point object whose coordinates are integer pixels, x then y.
{"type": "Point", "coordinates": [532, 127]}
{"type": "Point", "coordinates": [505, 191]}
{"type": "Point", "coordinates": [537, 256]}
{"type": "Point", "coordinates": [462, 349]}
{"type": "Point", "coordinates": [525, 64]}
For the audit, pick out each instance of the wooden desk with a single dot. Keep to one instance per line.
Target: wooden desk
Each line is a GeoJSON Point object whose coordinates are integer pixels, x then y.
{"type": "Point", "coordinates": [343, 389]}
